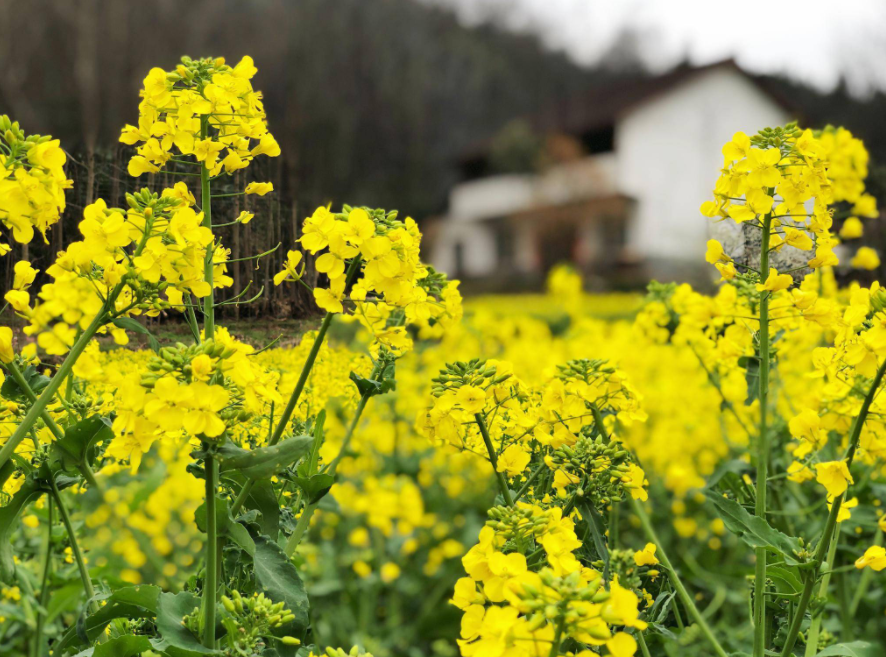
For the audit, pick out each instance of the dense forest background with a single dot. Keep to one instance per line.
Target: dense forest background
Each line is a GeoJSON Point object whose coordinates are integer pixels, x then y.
{"type": "Point", "coordinates": [372, 101]}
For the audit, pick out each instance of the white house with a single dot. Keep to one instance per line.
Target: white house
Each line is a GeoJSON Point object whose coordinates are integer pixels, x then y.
{"type": "Point", "coordinates": [625, 207]}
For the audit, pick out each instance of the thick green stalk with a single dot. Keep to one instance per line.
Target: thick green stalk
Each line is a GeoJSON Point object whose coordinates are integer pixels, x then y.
{"type": "Point", "coordinates": [687, 600]}
{"type": "Point", "coordinates": [824, 543]}
{"type": "Point", "coordinates": [299, 387]}
{"type": "Point", "coordinates": [67, 365]}
{"type": "Point", "coordinates": [44, 584]}
{"type": "Point", "coordinates": [304, 520]}
{"type": "Point", "coordinates": [210, 579]}
{"type": "Point", "coordinates": [75, 546]}
{"type": "Point", "coordinates": [815, 626]}
{"type": "Point", "coordinates": [56, 430]}
{"type": "Point", "coordinates": [558, 639]}
{"type": "Point", "coordinates": [55, 382]}
{"type": "Point", "coordinates": [762, 446]}
{"type": "Point", "coordinates": [493, 459]}
{"type": "Point", "coordinates": [643, 648]}
{"type": "Point", "coordinates": [206, 207]}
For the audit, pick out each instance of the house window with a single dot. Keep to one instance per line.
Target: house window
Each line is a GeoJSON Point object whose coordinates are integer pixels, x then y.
{"type": "Point", "coordinates": [599, 140]}
{"type": "Point", "coordinates": [504, 245]}
{"type": "Point", "coordinates": [459, 257]}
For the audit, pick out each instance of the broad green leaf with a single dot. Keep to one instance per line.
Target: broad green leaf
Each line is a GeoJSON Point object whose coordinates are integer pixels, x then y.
{"type": "Point", "coordinates": [225, 525]}
{"type": "Point", "coordinates": [129, 324]}
{"type": "Point", "coordinates": [36, 382]}
{"type": "Point", "coordinates": [129, 645]}
{"type": "Point", "coordinates": [77, 447]}
{"type": "Point", "coordinates": [8, 516]}
{"type": "Point", "coordinates": [264, 462]}
{"type": "Point", "coordinates": [316, 486]}
{"type": "Point", "coordinates": [177, 638]}
{"type": "Point", "coordinates": [278, 578]}
{"type": "Point", "coordinates": [734, 466]}
{"type": "Point", "coordinates": [63, 599]}
{"type": "Point", "coordinates": [853, 649]}
{"type": "Point", "coordinates": [128, 602]}
{"type": "Point", "coordinates": [754, 531]}
{"type": "Point", "coordinates": [371, 387]}
{"type": "Point", "coordinates": [262, 499]}
{"type": "Point", "coordinates": [786, 580]}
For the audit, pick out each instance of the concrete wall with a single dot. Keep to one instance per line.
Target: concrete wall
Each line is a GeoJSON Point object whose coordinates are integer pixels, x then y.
{"type": "Point", "coordinates": [669, 157]}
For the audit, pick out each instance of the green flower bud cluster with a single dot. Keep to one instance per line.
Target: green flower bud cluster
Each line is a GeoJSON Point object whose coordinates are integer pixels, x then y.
{"type": "Point", "coordinates": [197, 72]}
{"type": "Point", "coordinates": [475, 372]}
{"type": "Point", "coordinates": [517, 524]}
{"type": "Point", "coordinates": [249, 622]}
{"type": "Point", "coordinates": [180, 358]}
{"type": "Point", "coordinates": [150, 203]}
{"type": "Point", "coordinates": [584, 369]}
{"type": "Point", "coordinates": [600, 463]}
{"type": "Point", "coordinates": [623, 566]}
{"type": "Point", "coordinates": [559, 602]}
{"type": "Point", "coordinates": [16, 138]}
{"type": "Point", "coordinates": [776, 137]}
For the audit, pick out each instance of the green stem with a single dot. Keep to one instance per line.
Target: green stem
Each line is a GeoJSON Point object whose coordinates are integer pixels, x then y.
{"type": "Point", "coordinates": [493, 459]}
{"type": "Point", "coordinates": [827, 534]}
{"type": "Point", "coordinates": [210, 580]}
{"type": "Point", "coordinates": [55, 382]}
{"type": "Point", "coordinates": [75, 546]}
{"type": "Point", "coordinates": [304, 520]}
{"type": "Point", "coordinates": [56, 430]}
{"type": "Point", "coordinates": [528, 482]}
{"type": "Point", "coordinates": [299, 387]}
{"type": "Point", "coordinates": [599, 542]}
{"type": "Point", "coordinates": [643, 648]}
{"type": "Point", "coordinates": [206, 207]}
{"type": "Point", "coordinates": [815, 627]}
{"type": "Point", "coordinates": [687, 600]}
{"type": "Point", "coordinates": [558, 638]}
{"type": "Point", "coordinates": [762, 447]}
{"type": "Point", "coordinates": [44, 584]}
{"type": "Point", "coordinates": [67, 365]}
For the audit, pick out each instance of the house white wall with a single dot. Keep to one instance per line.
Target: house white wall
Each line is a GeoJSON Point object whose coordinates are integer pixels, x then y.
{"type": "Point", "coordinates": [473, 202]}
{"type": "Point", "coordinates": [668, 152]}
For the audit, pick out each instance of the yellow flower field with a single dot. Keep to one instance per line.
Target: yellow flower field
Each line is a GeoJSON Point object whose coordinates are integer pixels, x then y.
{"type": "Point", "coordinates": [562, 474]}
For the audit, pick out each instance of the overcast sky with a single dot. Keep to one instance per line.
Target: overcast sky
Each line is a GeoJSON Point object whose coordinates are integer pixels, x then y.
{"type": "Point", "coordinates": [812, 40]}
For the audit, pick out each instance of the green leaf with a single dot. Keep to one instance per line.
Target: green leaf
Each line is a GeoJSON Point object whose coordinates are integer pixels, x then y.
{"type": "Point", "coordinates": [171, 609]}
{"type": "Point", "coordinates": [372, 387]}
{"type": "Point", "coordinates": [754, 531]}
{"type": "Point", "coordinates": [316, 486]}
{"type": "Point", "coordinates": [278, 579]}
{"type": "Point", "coordinates": [129, 324]}
{"type": "Point", "coordinates": [129, 645]}
{"type": "Point", "coordinates": [786, 580]}
{"type": "Point", "coordinates": [36, 382]}
{"type": "Point", "coordinates": [77, 447]}
{"type": "Point", "coordinates": [226, 525]}
{"type": "Point", "coordinates": [752, 377]}
{"type": "Point", "coordinates": [733, 466]}
{"type": "Point", "coordinates": [63, 599]}
{"type": "Point", "coordinates": [263, 499]}
{"type": "Point", "coordinates": [8, 516]}
{"type": "Point", "coordinates": [265, 462]}
{"type": "Point", "coordinates": [853, 649]}
{"type": "Point", "coordinates": [129, 602]}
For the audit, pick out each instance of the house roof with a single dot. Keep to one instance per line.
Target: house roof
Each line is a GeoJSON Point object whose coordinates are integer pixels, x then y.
{"type": "Point", "coordinates": [601, 106]}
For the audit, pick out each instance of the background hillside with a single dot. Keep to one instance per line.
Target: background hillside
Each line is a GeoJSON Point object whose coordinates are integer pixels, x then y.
{"type": "Point", "coordinates": [372, 101]}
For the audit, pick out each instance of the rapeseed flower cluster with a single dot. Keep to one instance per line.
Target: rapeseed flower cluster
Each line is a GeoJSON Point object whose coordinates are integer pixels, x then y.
{"type": "Point", "coordinates": [32, 183]}
{"type": "Point", "coordinates": [206, 109]}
